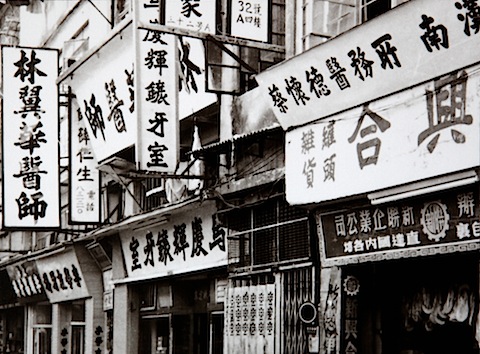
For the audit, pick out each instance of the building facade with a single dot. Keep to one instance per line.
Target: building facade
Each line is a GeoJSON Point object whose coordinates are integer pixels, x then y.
{"type": "Point", "coordinates": [389, 166]}
{"type": "Point", "coordinates": [218, 176]}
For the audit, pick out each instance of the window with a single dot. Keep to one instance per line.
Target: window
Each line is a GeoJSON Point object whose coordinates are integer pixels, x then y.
{"type": "Point", "coordinates": [217, 325]}
{"type": "Point", "coordinates": [325, 19]}
{"type": "Point", "coordinates": [76, 47]}
{"type": "Point", "coordinates": [41, 340]}
{"type": "Point", "coordinates": [78, 332]}
{"type": "Point", "coordinates": [114, 199]}
{"type": "Point", "coordinates": [78, 327]}
{"type": "Point", "coordinates": [122, 9]}
{"type": "Point", "coordinates": [147, 296]}
{"type": "Point", "coordinates": [268, 233]}
{"type": "Point", "coordinates": [42, 329]}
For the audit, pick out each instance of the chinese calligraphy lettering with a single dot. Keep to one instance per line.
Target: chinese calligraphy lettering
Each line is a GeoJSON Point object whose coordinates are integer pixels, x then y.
{"type": "Point", "coordinates": [386, 52]}
{"type": "Point", "coordinates": [317, 85]}
{"type": "Point", "coordinates": [434, 36]}
{"type": "Point", "coordinates": [114, 104]}
{"type": "Point", "coordinates": [378, 122]}
{"type": "Point", "coordinates": [27, 68]}
{"type": "Point", "coordinates": [470, 17]}
{"type": "Point", "coordinates": [189, 7]}
{"type": "Point", "coordinates": [178, 243]}
{"type": "Point", "coordinates": [188, 67]}
{"type": "Point", "coordinates": [294, 89]}
{"type": "Point", "coordinates": [362, 66]}
{"type": "Point", "coordinates": [308, 143]}
{"type": "Point", "coordinates": [446, 107]}
{"type": "Point", "coordinates": [94, 115]}
{"type": "Point", "coordinates": [277, 98]}
{"type": "Point", "coordinates": [337, 72]}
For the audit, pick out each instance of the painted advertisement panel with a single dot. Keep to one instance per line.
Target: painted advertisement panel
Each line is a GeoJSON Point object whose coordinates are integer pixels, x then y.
{"type": "Point", "coordinates": [250, 318]}
{"type": "Point", "coordinates": [26, 282]}
{"type": "Point", "coordinates": [250, 19]}
{"type": "Point", "coordinates": [156, 97]}
{"type": "Point", "coordinates": [195, 16]}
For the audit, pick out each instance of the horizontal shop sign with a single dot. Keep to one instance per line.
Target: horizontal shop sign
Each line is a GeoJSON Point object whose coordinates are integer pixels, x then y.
{"type": "Point", "coordinates": [422, 132]}
{"type": "Point", "coordinates": [175, 244]}
{"type": "Point", "coordinates": [62, 277]}
{"type": "Point", "coordinates": [408, 45]}
{"type": "Point", "coordinates": [442, 223]}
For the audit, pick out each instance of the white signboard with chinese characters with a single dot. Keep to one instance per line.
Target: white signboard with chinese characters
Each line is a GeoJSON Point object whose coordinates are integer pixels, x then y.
{"type": "Point", "coordinates": [250, 19]}
{"type": "Point", "coordinates": [426, 131]}
{"type": "Point", "coordinates": [188, 242]}
{"type": "Point", "coordinates": [103, 86]}
{"type": "Point", "coordinates": [410, 44]}
{"type": "Point", "coordinates": [195, 16]}
{"type": "Point", "coordinates": [156, 96]}
{"type": "Point", "coordinates": [62, 277]}
{"type": "Point", "coordinates": [191, 85]}
{"type": "Point", "coordinates": [84, 176]}
{"type": "Point", "coordinates": [191, 61]}
{"type": "Point", "coordinates": [31, 185]}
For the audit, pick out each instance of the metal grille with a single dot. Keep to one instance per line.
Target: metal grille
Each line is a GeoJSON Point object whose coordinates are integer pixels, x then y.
{"type": "Point", "coordinates": [298, 288]}
{"type": "Point", "coordinates": [293, 243]}
{"type": "Point", "coordinates": [264, 249]}
{"type": "Point", "coordinates": [267, 233]}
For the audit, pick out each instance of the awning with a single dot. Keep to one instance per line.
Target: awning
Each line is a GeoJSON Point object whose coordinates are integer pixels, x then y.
{"type": "Point", "coordinates": [235, 138]}
{"type": "Point", "coordinates": [141, 220]}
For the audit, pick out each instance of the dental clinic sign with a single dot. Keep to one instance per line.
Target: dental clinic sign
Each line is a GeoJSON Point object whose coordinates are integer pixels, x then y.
{"type": "Point", "coordinates": [186, 242]}
{"type": "Point", "coordinates": [409, 45]}
{"type": "Point", "coordinates": [30, 152]}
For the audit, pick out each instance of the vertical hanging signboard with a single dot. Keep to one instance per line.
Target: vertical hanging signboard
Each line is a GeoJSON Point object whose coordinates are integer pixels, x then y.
{"type": "Point", "coordinates": [196, 17]}
{"type": "Point", "coordinates": [30, 151]}
{"type": "Point", "coordinates": [156, 94]}
{"type": "Point", "coordinates": [84, 176]}
{"type": "Point", "coordinates": [250, 19]}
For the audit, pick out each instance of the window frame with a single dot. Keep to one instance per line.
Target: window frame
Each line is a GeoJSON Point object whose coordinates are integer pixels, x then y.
{"type": "Point", "coordinates": [247, 256]}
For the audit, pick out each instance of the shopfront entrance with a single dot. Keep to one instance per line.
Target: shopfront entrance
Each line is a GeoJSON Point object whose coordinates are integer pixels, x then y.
{"type": "Point", "coordinates": [184, 315]}
{"type": "Point", "coordinates": [179, 334]}
{"type": "Point", "coordinates": [426, 305]}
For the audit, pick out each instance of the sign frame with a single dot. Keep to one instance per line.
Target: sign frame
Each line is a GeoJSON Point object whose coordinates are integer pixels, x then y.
{"type": "Point", "coordinates": [76, 220]}
{"type": "Point", "coordinates": [53, 196]}
{"type": "Point", "coordinates": [425, 243]}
